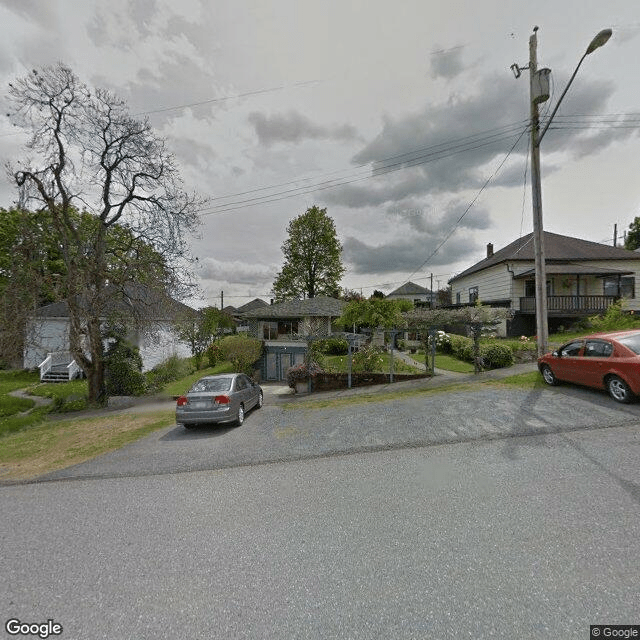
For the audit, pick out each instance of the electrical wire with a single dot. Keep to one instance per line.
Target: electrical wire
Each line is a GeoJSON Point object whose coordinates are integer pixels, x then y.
{"type": "Point", "coordinates": [484, 186]}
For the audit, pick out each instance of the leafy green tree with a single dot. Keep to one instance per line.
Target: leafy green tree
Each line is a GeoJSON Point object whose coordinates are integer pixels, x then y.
{"type": "Point", "coordinates": [375, 313]}
{"type": "Point", "coordinates": [31, 269]}
{"type": "Point", "coordinates": [313, 264]}
{"type": "Point", "coordinates": [241, 351]}
{"type": "Point", "coordinates": [632, 241]}
{"type": "Point", "coordinates": [87, 153]}
{"type": "Point", "coordinates": [200, 329]}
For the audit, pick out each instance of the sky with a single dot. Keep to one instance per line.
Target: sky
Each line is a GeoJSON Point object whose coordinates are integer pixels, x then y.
{"type": "Point", "coordinates": [402, 118]}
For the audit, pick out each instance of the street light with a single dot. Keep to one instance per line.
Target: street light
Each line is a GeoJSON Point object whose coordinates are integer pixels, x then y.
{"type": "Point", "coordinates": [537, 82]}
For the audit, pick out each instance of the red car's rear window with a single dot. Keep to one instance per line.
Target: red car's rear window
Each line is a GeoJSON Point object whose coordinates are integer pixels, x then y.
{"type": "Point", "coordinates": [631, 342]}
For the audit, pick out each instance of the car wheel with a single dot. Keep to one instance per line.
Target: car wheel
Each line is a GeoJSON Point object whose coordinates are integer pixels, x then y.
{"type": "Point", "coordinates": [240, 418]}
{"type": "Point", "coordinates": [260, 400]}
{"type": "Point", "coordinates": [548, 375]}
{"type": "Point", "coordinates": [619, 389]}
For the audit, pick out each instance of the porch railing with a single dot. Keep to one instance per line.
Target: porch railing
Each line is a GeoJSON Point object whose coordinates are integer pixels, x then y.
{"type": "Point", "coordinates": [572, 305]}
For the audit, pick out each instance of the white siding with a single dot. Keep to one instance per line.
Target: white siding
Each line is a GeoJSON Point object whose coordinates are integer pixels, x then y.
{"type": "Point", "coordinates": [493, 283]}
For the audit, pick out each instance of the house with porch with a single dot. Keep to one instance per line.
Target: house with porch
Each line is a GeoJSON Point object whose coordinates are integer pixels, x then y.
{"type": "Point", "coordinates": [583, 279]}
{"type": "Point", "coordinates": [285, 328]}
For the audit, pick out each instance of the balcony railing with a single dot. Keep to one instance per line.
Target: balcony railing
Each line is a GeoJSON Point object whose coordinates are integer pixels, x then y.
{"type": "Point", "coordinates": [569, 305]}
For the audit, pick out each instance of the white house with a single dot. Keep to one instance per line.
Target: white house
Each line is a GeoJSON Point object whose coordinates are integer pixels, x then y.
{"type": "Point", "coordinates": [47, 332]}
{"type": "Point", "coordinates": [413, 292]}
{"type": "Point", "coordinates": [583, 278]}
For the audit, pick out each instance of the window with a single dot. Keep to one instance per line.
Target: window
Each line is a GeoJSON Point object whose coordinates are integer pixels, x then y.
{"type": "Point", "coordinates": [458, 297]}
{"type": "Point", "coordinates": [473, 294]}
{"type": "Point", "coordinates": [270, 330]}
{"type": "Point", "coordinates": [619, 286]}
{"type": "Point", "coordinates": [530, 288]}
{"type": "Point", "coordinates": [571, 349]}
{"type": "Point", "coordinates": [597, 349]}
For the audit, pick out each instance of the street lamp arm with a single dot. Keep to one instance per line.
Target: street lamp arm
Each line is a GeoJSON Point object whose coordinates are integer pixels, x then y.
{"type": "Point", "coordinates": [599, 40]}
{"type": "Point", "coordinates": [553, 113]}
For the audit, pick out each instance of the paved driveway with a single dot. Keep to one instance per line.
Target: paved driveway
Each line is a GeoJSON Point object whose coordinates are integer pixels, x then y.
{"type": "Point", "coordinates": [279, 433]}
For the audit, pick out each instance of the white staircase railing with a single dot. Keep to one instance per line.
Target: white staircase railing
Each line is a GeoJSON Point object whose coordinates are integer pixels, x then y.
{"type": "Point", "coordinates": [56, 359]}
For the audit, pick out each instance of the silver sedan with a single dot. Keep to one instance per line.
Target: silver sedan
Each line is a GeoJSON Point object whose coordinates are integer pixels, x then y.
{"type": "Point", "coordinates": [222, 398]}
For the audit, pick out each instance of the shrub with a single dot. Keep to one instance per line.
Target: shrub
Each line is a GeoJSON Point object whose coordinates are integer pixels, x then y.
{"type": "Point", "coordinates": [461, 348]}
{"type": "Point", "coordinates": [302, 372]}
{"type": "Point", "coordinates": [123, 369]}
{"type": "Point", "coordinates": [332, 346]}
{"type": "Point", "coordinates": [443, 342]}
{"type": "Point", "coordinates": [214, 354]}
{"type": "Point", "coordinates": [242, 351]}
{"type": "Point", "coordinates": [368, 358]}
{"type": "Point", "coordinates": [173, 368]}
{"type": "Point", "coordinates": [496, 356]}
{"type": "Point", "coordinates": [614, 318]}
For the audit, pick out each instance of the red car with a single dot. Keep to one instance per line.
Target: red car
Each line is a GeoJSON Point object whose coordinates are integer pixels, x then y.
{"type": "Point", "coordinates": [608, 361]}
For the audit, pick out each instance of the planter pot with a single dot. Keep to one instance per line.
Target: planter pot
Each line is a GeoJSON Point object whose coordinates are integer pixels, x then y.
{"type": "Point", "coordinates": [302, 387]}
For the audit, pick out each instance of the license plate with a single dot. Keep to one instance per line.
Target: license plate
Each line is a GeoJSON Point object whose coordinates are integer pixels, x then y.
{"type": "Point", "coordinates": [200, 405]}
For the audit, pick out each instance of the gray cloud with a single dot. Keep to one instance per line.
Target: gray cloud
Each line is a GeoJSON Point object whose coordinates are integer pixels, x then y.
{"type": "Point", "coordinates": [236, 272]}
{"type": "Point", "coordinates": [420, 230]}
{"type": "Point", "coordinates": [295, 127]}
{"type": "Point", "coordinates": [42, 13]}
{"type": "Point", "coordinates": [447, 63]}
{"type": "Point", "coordinates": [452, 147]}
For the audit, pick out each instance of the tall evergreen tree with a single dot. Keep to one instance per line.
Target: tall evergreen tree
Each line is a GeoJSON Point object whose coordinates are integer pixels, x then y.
{"type": "Point", "coordinates": [313, 264]}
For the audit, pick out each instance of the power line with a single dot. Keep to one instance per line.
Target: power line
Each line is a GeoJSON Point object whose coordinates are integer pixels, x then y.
{"type": "Point", "coordinates": [455, 226]}
{"type": "Point", "coordinates": [378, 171]}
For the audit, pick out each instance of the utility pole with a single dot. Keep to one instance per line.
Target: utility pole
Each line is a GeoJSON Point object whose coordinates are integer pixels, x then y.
{"type": "Point", "coordinates": [539, 92]}
{"type": "Point", "coordinates": [431, 295]}
{"type": "Point", "coordinates": [221, 300]}
{"type": "Point", "coordinates": [542, 327]}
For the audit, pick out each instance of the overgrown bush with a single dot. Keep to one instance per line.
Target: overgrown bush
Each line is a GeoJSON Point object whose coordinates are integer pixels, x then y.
{"type": "Point", "coordinates": [173, 368]}
{"type": "Point", "coordinates": [368, 358]}
{"type": "Point", "coordinates": [123, 369]}
{"type": "Point", "coordinates": [496, 356]}
{"type": "Point", "coordinates": [615, 318]}
{"type": "Point", "coordinates": [333, 346]}
{"type": "Point", "coordinates": [242, 351]}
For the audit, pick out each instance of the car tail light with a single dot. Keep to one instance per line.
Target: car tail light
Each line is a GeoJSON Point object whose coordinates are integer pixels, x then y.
{"type": "Point", "coordinates": [182, 400]}
{"type": "Point", "coordinates": [222, 400]}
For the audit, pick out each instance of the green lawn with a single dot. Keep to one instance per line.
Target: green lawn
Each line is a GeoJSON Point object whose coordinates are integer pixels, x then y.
{"type": "Point", "coordinates": [446, 362]}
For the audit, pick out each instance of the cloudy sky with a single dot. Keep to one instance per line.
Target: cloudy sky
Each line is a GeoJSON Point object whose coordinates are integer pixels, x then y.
{"type": "Point", "coordinates": [402, 118]}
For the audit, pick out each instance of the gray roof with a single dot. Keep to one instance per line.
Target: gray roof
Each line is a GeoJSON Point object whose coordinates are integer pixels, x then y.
{"type": "Point", "coordinates": [256, 303]}
{"type": "Point", "coordinates": [409, 289]}
{"type": "Point", "coordinates": [557, 249]}
{"type": "Point", "coordinates": [321, 306]}
{"type": "Point", "coordinates": [137, 299]}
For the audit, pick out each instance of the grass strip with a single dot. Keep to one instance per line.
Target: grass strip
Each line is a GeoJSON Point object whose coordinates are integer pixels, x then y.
{"type": "Point", "coordinates": [58, 444]}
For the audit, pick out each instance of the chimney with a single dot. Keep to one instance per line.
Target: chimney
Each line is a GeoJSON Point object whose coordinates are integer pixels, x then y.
{"type": "Point", "coordinates": [489, 250]}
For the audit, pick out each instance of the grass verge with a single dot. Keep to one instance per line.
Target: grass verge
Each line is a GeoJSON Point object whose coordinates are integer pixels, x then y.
{"type": "Point", "coordinates": [524, 381]}
{"type": "Point", "coordinates": [55, 445]}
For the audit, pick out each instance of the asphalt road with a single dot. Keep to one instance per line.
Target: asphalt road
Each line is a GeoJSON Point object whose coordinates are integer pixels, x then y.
{"type": "Point", "coordinates": [276, 433]}
{"type": "Point", "coordinates": [438, 519]}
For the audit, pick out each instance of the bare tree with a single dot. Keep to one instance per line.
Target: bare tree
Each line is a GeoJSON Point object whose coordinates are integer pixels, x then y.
{"type": "Point", "coordinates": [88, 154]}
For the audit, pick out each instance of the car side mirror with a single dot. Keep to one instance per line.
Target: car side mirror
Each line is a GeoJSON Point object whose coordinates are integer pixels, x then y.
{"type": "Point", "coordinates": [556, 354]}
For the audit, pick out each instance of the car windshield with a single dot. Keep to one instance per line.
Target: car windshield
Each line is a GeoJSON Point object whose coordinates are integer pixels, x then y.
{"type": "Point", "coordinates": [211, 385]}
{"type": "Point", "coordinates": [631, 342]}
